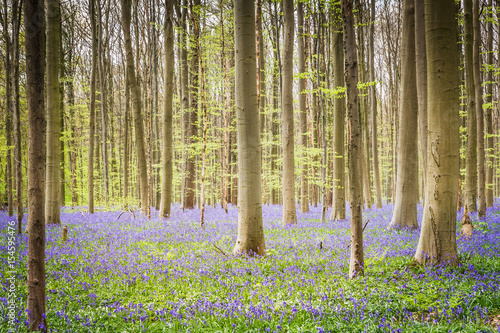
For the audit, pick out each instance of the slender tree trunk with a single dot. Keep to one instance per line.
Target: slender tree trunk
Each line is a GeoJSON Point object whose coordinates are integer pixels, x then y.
{"type": "Point", "coordinates": [92, 107]}
{"type": "Point", "coordinates": [18, 172]}
{"type": "Point", "coordinates": [52, 182]}
{"type": "Point", "coordinates": [289, 213]}
{"type": "Point", "coordinates": [356, 262]}
{"type": "Point", "coordinates": [136, 101]}
{"type": "Point", "coordinates": [34, 37]}
{"type": "Point", "coordinates": [226, 159]}
{"type": "Point", "coordinates": [304, 186]}
{"type": "Point", "coordinates": [167, 163]}
{"type": "Point", "coordinates": [478, 92]}
{"type": "Point", "coordinates": [126, 145]}
{"type": "Point", "coordinates": [488, 117]}
{"type": "Point", "coordinates": [437, 242]}
{"type": "Point", "coordinates": [405, 206]}
{"type": "Point", "coordinates": [338, 202]}
{"type": "Point", "coordinates": [471, 161]}
{"type": "Point", "coordinates": [250, 239]}
{"type": "Point", "coordinates": [421, 75]}
{"type": "Point", "coordinates": [104, 104]}
{"type": "Point", "coordinates": [190, 189]}
{"type": "Point", "coordinates": [373, 99]}
{"type": "Point", "coordinates": [9, 111]}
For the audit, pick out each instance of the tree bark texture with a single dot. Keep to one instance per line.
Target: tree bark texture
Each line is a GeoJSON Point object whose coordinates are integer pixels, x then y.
{"type": "Point", "coordinates": [250, 239]}
{"type": "Point", "coordinates": [289, 211]}
{"type": "Point", "coordinates": [405, 206]}
{"type": "Point", "coordinates": [356, 261]}
{"type": "Point", "coordinates": [437, 242]}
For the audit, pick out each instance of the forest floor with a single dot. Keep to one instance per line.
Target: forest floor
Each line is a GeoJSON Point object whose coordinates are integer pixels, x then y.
{"type": "Point", "coordinates": [119, 272]}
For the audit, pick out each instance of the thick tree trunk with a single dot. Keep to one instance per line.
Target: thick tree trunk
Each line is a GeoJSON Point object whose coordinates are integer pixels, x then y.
{"type": "Point", "coordinates": [167, 163]}
{"type": "Point", "coordinates": [338, 203]}
{"type": "Point", "coordinates": [250, 239]}
{"type": "Point", "coordinates": [421, 74]}
{"type": "Point", "coordinates": [304, 184]}
{"type": "Point", "coordinates": [356, 262]}
{"type": "Point", "coordinates": [136, 102]}
{"type": "Point", "coordinates": [405, 206]}
{"type": "Point", "coordinates": [437, 242]}
{"type": "Point", "coordinates": [471, 161]}
{"type": "Point", "coordinates": [53, 174]}
{"type": "Point", "coordinates": [478, 92]}
{"type": "Point", "coordinates": [34, 37]}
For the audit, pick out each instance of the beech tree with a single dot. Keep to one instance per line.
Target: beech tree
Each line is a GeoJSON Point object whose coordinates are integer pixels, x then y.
{"type": "Point", "coordinates": [250, 239]}
{"type": "Point", "coordinates": [437, 241]}
{"type": "Point", "coordinates": [405, 205]}
{"type": "Point", "coordinates": [53, 174]}
{"type": "Point", "coordinates": [356, 262]}
{"type": "Point", "coordinates": [35, 58]}
{"type": "Point", "coordinates": [166, 184]}
{"type": "Point", "coordinates": [289, 211]}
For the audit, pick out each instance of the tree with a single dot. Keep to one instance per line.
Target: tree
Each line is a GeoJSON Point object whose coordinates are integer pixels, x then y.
{"type": "Point", "coordinates": [478, 93]}
{"type": "Point", "coordinates": [35, 58]}
{"type": "Point", "coordinates": [405, 205]}
{"type": "Point", "coordinates": [250, 239]}
{"type": "Point", "coordinates": [421, 78]}
{"type": "Point", "coordinates": [289, 213]}
{"type": "Point", "coordinates": [488, 114]}
{"type": "Point", "coordinates": [356, 261]}
{"type": "Point", "coordinates": [338, 203]}
{"type": "Point", "coordinates": [471, 158]}
{"type": "Point", "coordinates": [53, 174]}
{"type": "Point", "coordinates": [304, 185]}
{"type": "Point", "coordinates": [166, 184]}
{"type": "Point", "coordinates": [437, 242]}
{"type": "Point", "coordinates": [92, 106]}
{"type": "Point", "coordinates": [136, 102]}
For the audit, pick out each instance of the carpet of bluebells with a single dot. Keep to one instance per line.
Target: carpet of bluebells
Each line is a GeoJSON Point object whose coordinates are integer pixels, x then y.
{"type": "Point", "coordinates": [119, 272]}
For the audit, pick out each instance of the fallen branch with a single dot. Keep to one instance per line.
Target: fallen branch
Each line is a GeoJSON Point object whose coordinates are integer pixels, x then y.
{"type": "Point", "coordinates": [218, 249]}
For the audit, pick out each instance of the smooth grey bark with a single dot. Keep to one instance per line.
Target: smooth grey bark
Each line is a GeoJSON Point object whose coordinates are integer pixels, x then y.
{"type": "Point", "coordinates": [405, 205]}
{"type": "Point", "coordinates": [136, 102]}
{"type": "Point", "coordinates": [304, 185]}
{"type": "Point", "coordinates": [478, 92]}
{"type": "Point", "coordinates": [356, 261]}
{"type": "Point", "coordinates": [437, 241]}
{"type": "Point", "coordinates": [471, 158]}
{"type": "Point", "coordinates": [92, 106]}
{"type": "Point", "coordinates": [289, 209]}
{"type": "Point", "coordinates": [53, 172]}
{"type": "Point", "coordinates": [167, 163]}
{"type": "Point", "coordinates": [250, 239]}
{"type": "Point", "coordinates": [338, 201]}
{"type": "Point", "coordinates": [35, 61]}
{"type": "Point", "coordinates": [490, 149]}
{"type": "Point", "coordinates": [421, 63]}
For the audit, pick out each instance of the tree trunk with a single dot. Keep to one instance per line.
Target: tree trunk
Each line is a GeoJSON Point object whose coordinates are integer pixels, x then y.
{"type": "Point", "coordinates": [136, 102]}
{"type": "Point", "coordinates": [421, 75]}
{"type": "Point", "coordinates": [405, 206]}
{"type": "Point", "coordinates": [250, 239]}
{"type": "Point", "coordinates": [304, 186]}
{"type": "Point", "coordinates": [437, 242]}
{"type": "Point", "coordinates": [471, 161]}
{"type": "Point", "coordinates": [35, 58]}
{"type": "Point", "coordinates": [52, 178]}
{"type": "Point", "coordinates": [373, 99]}
{"type": "Point", "coordinates": [103, 103]}
{"type": "Point", "coordinates": [167, 163]}
{"type": "Point", "coordinates": [356, 262]}
{"type": "Point", "coordinates": [338, 203]}
{"type": "Point", "coordinates": [488, 118]}
{"type": "Point", "coordinates": [478, 92]}
{"type": "Point", "coordinates": [289, 213]}
{"type": "Point", "coordinates": [92, 107]}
